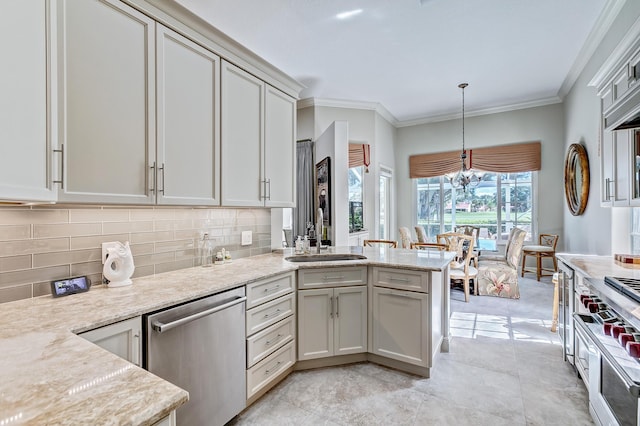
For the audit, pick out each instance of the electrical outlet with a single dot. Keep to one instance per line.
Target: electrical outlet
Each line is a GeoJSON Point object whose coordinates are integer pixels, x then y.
{"type": "Point", "coordinates": [247, 237]}
{"type": "Point", "coordinates": [106, 246]}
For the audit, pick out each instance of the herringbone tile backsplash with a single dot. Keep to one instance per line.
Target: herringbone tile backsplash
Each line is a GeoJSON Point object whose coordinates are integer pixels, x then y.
{"type": "Point", "coordinates": [42, 243]}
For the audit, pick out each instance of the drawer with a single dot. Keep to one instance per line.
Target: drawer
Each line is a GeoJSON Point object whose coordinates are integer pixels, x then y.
{"type": "Point", "coordinates": [332, 277]}
{"type": "Point", "coordinates": [269, 313]}
{"type": "Point", "coordinates": [263, 291]}
{"type": "Point", "coordinates": [401, 279]}
{"type": "Point", "coordinates": [269, 340]}
{"type": "Point", "coordinates": [261, 374]}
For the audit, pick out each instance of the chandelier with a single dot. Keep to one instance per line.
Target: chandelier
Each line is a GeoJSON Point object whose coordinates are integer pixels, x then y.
{"type": "Point", "coordinates": [465, 177]}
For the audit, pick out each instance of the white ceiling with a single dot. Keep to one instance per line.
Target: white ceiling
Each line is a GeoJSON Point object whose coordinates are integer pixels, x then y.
{"type": "Point", "coordinates": [410, 55]}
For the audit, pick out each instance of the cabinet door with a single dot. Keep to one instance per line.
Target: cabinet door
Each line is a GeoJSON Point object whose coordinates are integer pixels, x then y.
{"type": "Point", "coordinates": [122, 339]}
{"type": "Point", "coordinates": [315, 323]}
{"type": "Point", "coordinates": [401, 325]}
{"type": "Point", "coordinates": [188, 147]}
{"type": "Point", "coordinates": [622, 168]}
{"type": "Point", "coordinates": [24, 163]}
{"type": "Point", "coordinates": [107, 102]}
{"type": "Point", "coordinates": [606, 169]}
{"type": "Point", "coordinates": [635, 168]}
{"type": "Point", "coordinates": [242, 136]}
{"type": "Point", "coordinates": [279, 148]}
{"type": "Point", "coordinates": [350, 320]}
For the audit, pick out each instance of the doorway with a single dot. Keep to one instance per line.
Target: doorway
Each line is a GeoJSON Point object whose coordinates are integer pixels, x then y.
{"type": "Point", "coordinates": [385, 203]}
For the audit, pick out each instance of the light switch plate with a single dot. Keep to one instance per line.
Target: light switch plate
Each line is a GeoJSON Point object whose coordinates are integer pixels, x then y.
{"type": "Point", "coordinates": [247, 237]}
{"type": "Point", "coordinates": [106, 246]}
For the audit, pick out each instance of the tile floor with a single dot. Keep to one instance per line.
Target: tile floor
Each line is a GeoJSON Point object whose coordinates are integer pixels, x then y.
{"type": "Point", "coordinates": [504, 368]}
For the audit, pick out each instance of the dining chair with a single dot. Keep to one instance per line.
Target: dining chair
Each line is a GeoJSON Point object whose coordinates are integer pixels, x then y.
{"type": "Point", "coordinates": [428, 246]}
{"type": "Point", "coordinates": [545, 248]}
{"type": "Point", "coordinates": [460, 268]}
{"type": "Point", "coordinates": [498, 274]}
{"type": "Point", "coordinates": [405, 237]}
{"type": "Point", "coordinates": [373, 243]}
{"type": "Point", "coordinates": [422, 236]}
{"type": "Point", "coordinates": [474, 231]}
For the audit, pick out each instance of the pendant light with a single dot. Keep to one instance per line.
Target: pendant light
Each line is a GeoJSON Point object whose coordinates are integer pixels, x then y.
{"type": "Point", "coordinates": [465, 177]}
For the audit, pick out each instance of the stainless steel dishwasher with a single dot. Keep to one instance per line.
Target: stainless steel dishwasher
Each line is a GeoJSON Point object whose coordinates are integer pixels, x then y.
{"type": "Point", "coordinates": [200, 347]}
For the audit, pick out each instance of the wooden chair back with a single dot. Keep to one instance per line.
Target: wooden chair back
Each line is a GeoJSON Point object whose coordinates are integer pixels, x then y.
{"type": "Point", "coordinates": [373, 243]}
{"type": "Point", "coordinates": [429, 246]}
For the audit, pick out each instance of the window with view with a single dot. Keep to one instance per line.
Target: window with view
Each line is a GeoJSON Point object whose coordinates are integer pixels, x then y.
{"type": "Point", "coordinates": [500, 202]}
{"type": "Point", "coordinates": [356, 186]}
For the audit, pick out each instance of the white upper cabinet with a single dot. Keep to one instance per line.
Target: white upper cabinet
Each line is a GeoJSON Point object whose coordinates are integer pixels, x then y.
{"type": "Point", "coordinates": [279, 150]}
{"type": "Point", "coordinates": [188, 104]}
{"type": "Point", "coordinates": [107, 102]}
{"type": "Point", "coordinates": [258, 142]}
{"type": "Point", "coordinates": [24, 163]}
{"type": "Point", "coordinates": [242, 137]}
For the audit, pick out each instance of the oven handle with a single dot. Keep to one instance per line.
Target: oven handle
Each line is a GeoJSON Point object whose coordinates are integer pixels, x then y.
{"type": "Point", "coordinates": [631, 386]}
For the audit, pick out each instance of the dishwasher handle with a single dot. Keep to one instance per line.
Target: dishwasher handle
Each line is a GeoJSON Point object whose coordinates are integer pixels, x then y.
{"type": "Point", "coordinates": [161, 327]}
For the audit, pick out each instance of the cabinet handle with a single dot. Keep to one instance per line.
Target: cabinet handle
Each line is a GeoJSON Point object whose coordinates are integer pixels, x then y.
{"type": "Point", "coordinates": [337, 306]}
{"type": "Point", "coordinates": [162, 190]}
{"type": "Point", "coordinates": [406, 296]}
{"type": "Point", "coordinates": [276, 312]}
{"type": "Point", "coordinates": [339, 277]}
{"type": "Point", "coordinates": [61, 151]}
{"type": "Point", "coordinates": [402, 280]}
{"type": "Point", "coordinates": [331, 303]}
{"type": "Point", "coordinates": [270, 369]}
{"type": "Point", "coordinates": [270, 342]}
{"type": "Point", "coordinates": [268, 290]}
{"type": "Point", "coordinates": [152, 189]}
{"type": "Point", "coordinates": [264, 189]}
{"type": "Point", "coordinates": [269, 185]}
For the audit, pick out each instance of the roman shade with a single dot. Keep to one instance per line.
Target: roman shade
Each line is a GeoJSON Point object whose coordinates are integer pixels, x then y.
{"type": "Point", "coordinates": [514, 158]}
{"type": "Point", "coordinates": [359, 155]}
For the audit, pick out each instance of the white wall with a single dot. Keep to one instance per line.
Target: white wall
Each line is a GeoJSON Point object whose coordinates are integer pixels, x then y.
{"type": "Point", "coordinates": [599, 230]}
{"type": "Point", "coordinates": [364, 126]}
{"type": "Point", "coordinates": [544, 124]}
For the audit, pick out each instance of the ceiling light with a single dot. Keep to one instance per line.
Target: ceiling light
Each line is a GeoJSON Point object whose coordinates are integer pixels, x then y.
{"type": "Point", "coordinates": [348, 14]}
{"type": "Point", "coordinates": [465, 177]}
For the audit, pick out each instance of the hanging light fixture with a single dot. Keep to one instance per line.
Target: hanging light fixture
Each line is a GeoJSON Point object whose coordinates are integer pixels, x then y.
{"type": "Point", "coordinates": [465, 177]}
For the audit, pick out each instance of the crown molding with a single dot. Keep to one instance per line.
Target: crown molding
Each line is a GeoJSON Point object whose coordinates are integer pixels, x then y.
{"type": "Point", "coordinates": [621, 53]}
{"type": "Point", "coordinates": [484, 111]}
{"type": "Point", "coordinates": [344, 103]}
{"type": "Point", "coordinates": [603, 24]}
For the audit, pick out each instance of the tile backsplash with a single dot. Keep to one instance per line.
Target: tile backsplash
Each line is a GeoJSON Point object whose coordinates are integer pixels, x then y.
{"type": "Point", "coordinates": [42, 243]}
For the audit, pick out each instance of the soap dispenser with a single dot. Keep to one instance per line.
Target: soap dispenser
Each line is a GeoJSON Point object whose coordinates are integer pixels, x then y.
{"type": "Point", "coordinates": [298, 247]}
{"type": "Point", "coordinates": [206, 251]}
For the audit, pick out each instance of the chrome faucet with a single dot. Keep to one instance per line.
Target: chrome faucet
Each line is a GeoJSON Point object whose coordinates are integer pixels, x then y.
{"type": "Point", "coordinates": [319, 220]}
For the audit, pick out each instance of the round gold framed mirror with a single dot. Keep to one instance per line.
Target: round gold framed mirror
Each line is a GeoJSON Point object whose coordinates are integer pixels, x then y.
{"type": "Point", "coordinates": [576, 179]}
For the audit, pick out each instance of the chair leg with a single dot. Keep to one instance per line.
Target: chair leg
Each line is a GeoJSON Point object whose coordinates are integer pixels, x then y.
{"type": "Point", "coordinates": [555, 263]}
{"type": "Point", "coordinates": [524, 262]}
{"type": "Point", "coordinates": [538, 267]}
{"type": "Point", "coordinates": [466, 290]}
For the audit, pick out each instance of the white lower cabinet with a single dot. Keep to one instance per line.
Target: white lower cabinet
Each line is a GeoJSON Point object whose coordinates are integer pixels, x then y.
{"type": "Point", "coordinates": [271, 332]}
{"type": "Point", "coordinates": [332, 321]}
{"type": "Point", "coordinates": [122, 338]}
{"type": "Point", "coordinates": [401, 325]}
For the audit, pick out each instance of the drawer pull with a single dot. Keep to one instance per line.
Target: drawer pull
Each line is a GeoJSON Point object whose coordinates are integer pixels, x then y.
{"type": "Point", "coordinates": [268, 290]}
{"type": "Point", "coordinates": [270, 342]}
{"type": "Point", "coordinates": [402, 280]}
{"type": "Point", "coordinates": [338, 277]}
{"type": "Point", "coordinates": [271, 369]}
{"type": "Point", "coordinates": [276, 312]}
{"type": "Point", "coordinates": [406, 296]}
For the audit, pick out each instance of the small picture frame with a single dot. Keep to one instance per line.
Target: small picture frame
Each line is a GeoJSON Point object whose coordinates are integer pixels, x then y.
{"type": "Point", "coordinates": [323, 189]}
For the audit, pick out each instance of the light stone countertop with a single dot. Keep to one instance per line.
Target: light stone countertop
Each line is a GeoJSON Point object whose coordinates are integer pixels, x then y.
{"type": "Point", "coordinates": [597, 267]}
{"type": "Point", "coordinates": [51, 376]}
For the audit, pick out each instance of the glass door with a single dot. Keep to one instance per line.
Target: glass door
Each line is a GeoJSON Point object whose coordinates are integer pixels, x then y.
{"type": "Point", "coordinates": [384, 207]}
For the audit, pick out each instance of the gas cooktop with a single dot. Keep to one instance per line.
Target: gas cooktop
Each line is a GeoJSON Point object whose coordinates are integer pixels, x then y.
{"type": "Point", "coordinates": [630, 287]}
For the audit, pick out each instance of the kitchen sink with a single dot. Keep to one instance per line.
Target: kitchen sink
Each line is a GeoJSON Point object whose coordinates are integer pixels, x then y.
{"type": "Point", "coordinates": [327, 257]}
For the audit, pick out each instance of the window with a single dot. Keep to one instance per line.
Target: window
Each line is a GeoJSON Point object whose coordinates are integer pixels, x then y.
{"type": "Point", "coordinates": [499, 203]}
{"type": "Point", "coordinates": [384, 206]}
{"type": "Point", "coordinates": [356, 190]}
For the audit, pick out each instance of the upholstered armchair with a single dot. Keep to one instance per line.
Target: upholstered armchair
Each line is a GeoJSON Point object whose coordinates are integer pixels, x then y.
{"type": "Point", "coordinates": [498, 275]}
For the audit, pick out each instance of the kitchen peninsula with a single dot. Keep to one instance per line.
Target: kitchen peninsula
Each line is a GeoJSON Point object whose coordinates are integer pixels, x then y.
{"type": "Point", "coordinates": [51, 375]}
